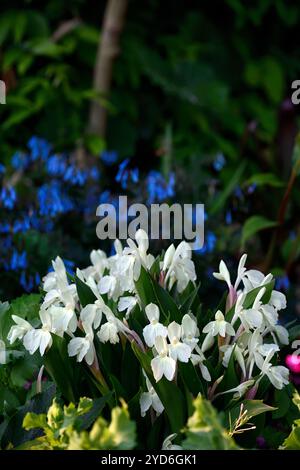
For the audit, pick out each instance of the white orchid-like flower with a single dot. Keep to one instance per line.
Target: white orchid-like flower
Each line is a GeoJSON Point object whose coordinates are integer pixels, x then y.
{"type": "Point", "coordinates": [40, 338]}
{"type": "Point", "coordinates": [198, 360]}
{"type": "Point", "coordinates": [238, 355]}
{"type": "Point", "coordinates": [109, 332]}
{"type": "Point", "coordinates": [150, 399]}
{"type": "Point", "coordinates": [224, 275]}
{"type": "Point", "coordinates": [240, 390]}
{"type": "Point", "coordinates": [177, 350]}
{"type": "Point", "coordinates": [219, 326]}
{"type": "Point", "coordinates": [253, 279]}
{"type": "Point", "coordinates": [139, 252]}
{"type": "Point", "coordinates": [163, 364]}
{"type": "Point", "coordinates": [278, 375]}
{"type": "Point", "coordinates": [168, 445]}
{"type": "Point", "coordinates": [127, 304]}
{"type": "Point", "coordinates": [179, 266]}
{"type": "Point", "coordinates": [190, 331]}
{"type": "Point", "coordinates": [83, 347]}
{"type": "Point", "coordinates": [19, 330]}
{"type": "Point", "coordinates": [154, 329]}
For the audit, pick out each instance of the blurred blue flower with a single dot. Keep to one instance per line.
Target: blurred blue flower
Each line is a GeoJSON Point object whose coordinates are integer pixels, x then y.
{"type": "Point", "coordinates": [8, 197]}
{"type": "Point", "coordinates": [56, 165]}
{"type": "Point", "coordinates": [39, 148]}
{"type": "Point", "coordinates": [19, 160]}
{"type": "Point", "coordinates": [158, 188]}
{"type": "Point", "coordinates": [282, 282]}
{"type": "Point", "coordinates": [219, 162]}
{"type": "Point", "coordinates": [52, 200]}
{"type": "Point", "coordinates": [125, 174]}
{"type": "Point", "coordinates": [2, 169]}
{"type": "Point", "coordinates": [109, 157]}
{"type": "Point", "coordinates": [228, 217]}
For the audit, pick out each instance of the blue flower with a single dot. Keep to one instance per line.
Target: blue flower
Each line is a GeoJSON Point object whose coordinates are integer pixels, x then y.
{"type": "Point", "coordinates": [2, 169]}
{"type": "Point", "coordinates": [219, 162]}
{"type": "Point", "coordinates": [39, 148]}
{"type": "Point", "coordinates": [209, 243]}
{"type": "Point", "coordinates": [158, 188]}
{"type": "Point", "coordinates": [4, 227]}
{"type": "Point", "coordinates": [52, 200]}
{"type": "Point", "coordinates": [27, 284]}
{"type": "Point", "coordinates": [228, 217]}
{"type": "Point", "coordinates": [282, 282]}
{"type": "Point", "coordinates": [8, 197]}
{"type": "Point", "coordinates": [109, 157]}
{"type": "Point", "coordinates": [56, 165]}
{"type": "Point", "coordinates": [18, 261]}
{"type": "Point", "coordinates": [75, 175]}
{"type": "Point", "coordinates": [19, 161]}
{"type": "Point", "coordinates": [95, 173]}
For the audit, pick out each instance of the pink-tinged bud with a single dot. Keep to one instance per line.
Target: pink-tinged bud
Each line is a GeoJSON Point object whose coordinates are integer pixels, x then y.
{"type": "Point", "coordinates": [250, 395]}
{"type": "Point", "coordinates": [293, 363]}
{"type": "Point", "coordinates": [162, 276]}
{"type": "Point", "coordinates": [231, 298]}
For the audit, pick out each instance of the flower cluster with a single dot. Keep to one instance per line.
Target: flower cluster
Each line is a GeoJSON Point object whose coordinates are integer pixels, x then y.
{"type": "Point", "coordinates": [244, 331]}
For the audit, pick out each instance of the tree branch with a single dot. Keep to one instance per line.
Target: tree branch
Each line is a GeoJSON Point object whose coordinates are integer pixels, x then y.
{"type": "Point", "coordinates": [108, 49]}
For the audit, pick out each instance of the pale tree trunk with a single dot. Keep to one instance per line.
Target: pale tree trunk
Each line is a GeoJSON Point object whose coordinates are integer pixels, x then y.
{"type": "Point", "coordinates": [108, 49]}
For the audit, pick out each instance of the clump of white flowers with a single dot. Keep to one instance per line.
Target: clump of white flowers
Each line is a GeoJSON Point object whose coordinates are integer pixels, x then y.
{"type": "Point", "coordinates": [246, 331]}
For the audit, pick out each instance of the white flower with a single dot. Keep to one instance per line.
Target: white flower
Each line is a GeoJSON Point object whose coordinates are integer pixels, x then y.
{"type": "Point", "coordinates": [168, 258]}
{"type": "Point", "coordinates": [223, 274]}
{"type": "Point", "coordinates": [163, 364]}
{"type": "Point", "coordinates": [63, 319]}
{"type": "Point", "coordinates": [251, 318]}
{"type": "Point", "coordinates": [207, 343]}
{"type": "Point", "coordinates": [139, 251]}
{"type": "Point", "coordinates": [83, 348]}
{"type": "Point", "coordinates": [254, 278]}
{"type": "Point", "coordinates": [92, 313]}
{"type": "Point", "coordinates": [150, 332]}
{"type": "Point", "coordinates": [2, 352]}
{"type": "Point", "coordinates": [278, 375]}
{"type": "Point", "coordinates": [150, 398]}
{"type": "Point", "coordinates": [39, 338]}
{"type": "Point", "coordinates": [240, 390]}
{"type": "Point", "coordinates": [167, 444]}
{"type": "Point", "coordinates": [198, 359]}
{"type": "Point", "coordinates": [181, 268]}
{"type": "Point", "coordinates": [190, 331]}
{"type": "Point", "coordinates": [238, 354]}
{"type": "Point", "coordinates": [108, 285]}
{"type": "Point", "coordinates": [108, 332]}
{"type": "Point", "coordinates": [19, 330]}
{"type": "Point", "coordinates": [219, 326]}
{"type": "Point", "coordinates": [177, 350]}
{"type": "Point", "coordinates": [278, 300]}
{"type": "Point", "coordinates": [127, 303]}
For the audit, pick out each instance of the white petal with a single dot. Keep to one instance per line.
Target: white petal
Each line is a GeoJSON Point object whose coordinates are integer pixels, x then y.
{"type": "Point", "coordinates": [145, 402]}
{"type": "Point", "coordinates": [157, 368]}
{"type": "Point", "coordinates": [152, 312]}
{"type": "Point", "coordinates": [174, 331]}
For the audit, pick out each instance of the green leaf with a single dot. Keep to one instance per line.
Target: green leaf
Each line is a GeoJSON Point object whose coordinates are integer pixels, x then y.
{"type": "Point", "coordinates": [256, 407]}
{"type": "Point", "coordinates": [151, 292]}
{"type": "Point", "coordinates": [85, 293]}
{"type": "Point", "coordinates": [255, 224]}
{"type": "Point", "coordinates": [169, 394]}
{"type": "Point", "coordinates": [94, 144]}
{"type": "Point", "coordinates": [61, 367]}
{"type": "Point", "coordinates": [292, 442]}
{"type": "Point", "coordinates": [223, 196]}
{"type": "Point", "coordinates": [205, 431]}
{"type": "Point", "coordinates": [189, 303]}
{"type": "Point", "coordinates": [265, 179]}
